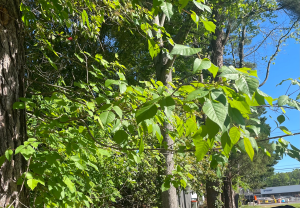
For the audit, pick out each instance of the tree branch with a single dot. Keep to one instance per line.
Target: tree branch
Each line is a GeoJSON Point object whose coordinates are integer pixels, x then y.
{"type": "Point", "coordinates": [276, 52]}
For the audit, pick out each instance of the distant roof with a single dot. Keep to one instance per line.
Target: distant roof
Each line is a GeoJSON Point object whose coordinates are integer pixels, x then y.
{"type": "Point", "coordinates": [280, 189]}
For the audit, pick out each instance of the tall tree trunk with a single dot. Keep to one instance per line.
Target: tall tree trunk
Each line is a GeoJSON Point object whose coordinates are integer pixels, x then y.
{"type": "Point", "coordinates": [212, 194]}
{"type": "Point", "coordinates": [12, 122]}
{"type": "Point", "coordinates": [164, 74]}
{"type": "Point", "coordinates": [228, 192]}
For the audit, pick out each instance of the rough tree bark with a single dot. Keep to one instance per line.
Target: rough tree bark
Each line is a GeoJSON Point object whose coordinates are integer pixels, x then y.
{"type": "Point", "coordinates": [12, 122]}
{"type": "Point", "coordinates": [228, 192]}
{"type": "Point", "coordinates": [164, 74]}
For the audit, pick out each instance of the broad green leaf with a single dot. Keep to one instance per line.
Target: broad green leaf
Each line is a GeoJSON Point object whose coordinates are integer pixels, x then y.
{"type": "Point", "coordinates": [153, 48]}
{"type": "Point", "coordinates": [236, 116]}
{"type": "Point", "coordinates": [211, 128]}
{"type": "Point", "coordinates": [184, 50]}
{"type": "Point", "coordinates": [235, 135]}
{"type": "Point", "coordinates": [282, 100]}
{"type": "Point", "coordinates": [285, 130]}
{"type": "Point", "coordinates": [166, 7]}
{"type": "Point", "coordinates": [213, 69]}
{"type": "Point", "coordinates": [18, 105]}
{"type": "Point", "coordinates": [120, 137]}
{"type": "Point", "coordinates": [198, 93]}
{"type": "Point", "coordinates": [146, 112]}
{"type": "Point", "coordinates": [109, 82]}
{"type": "Point", "coordinates": [255, 120]}
{"type": "Point", "coordinates": [118, 111]}
{"type": "Point", "coordinates": [281, 119]}
{"type": "Point", "coordinates": [253, 143]}
{"type": "Point", "coordinates": [268, 98]}
{"type": "Point", "coordinates": [32, 183]}
{"type": "Point", "coordinates": [209, 25]}
{"type": "Point", "coordinates": [69, 184]}
{"type": "Point", "coordinates": [230, 73]}
{"type": "Point", "coordinates": [255, 129]}
{"type": "Point", "coordinates": [107, 117]}
{"type": "Point", "coordinates": [191, 126]}
{"type": "Point", "coordinates": [202, 6]}
{"type": "Point", "coordinates": [8, 154]}
{"type": "Point", "coordinates": [183, 3]}
{"type": "Point", "coordinates": [215, 111]}
{"type": "Point", "coordinates": [249, 148]}
{"type": "Point", "coordinates": [201, 148]}
{"type": "Point", "coordinates": [247, 85]}
{"type": "Point", "coordinates": [165, 186]}
{"type": "Point", "coordinates": [226, 143]}
{"type": "Point", "coordinates": [242, 106]}
{"type": "Point", "coordinates": [200, 64]}
{"type": "Point", "coordinates": [284, 142]}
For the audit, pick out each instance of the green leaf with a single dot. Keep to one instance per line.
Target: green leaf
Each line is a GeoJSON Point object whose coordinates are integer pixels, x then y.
{"type": "Point", "coordinates": [255, 129]}
{"type": "Point", "coordinates": [69, 184]}
{"type": "Point", "coordinates": [249, 148]}
{"type": "Point", "coordinates": [18, 105]}
{"type": "Point", "coordinates": [230, 73]}
{"type": "Point", "coordinates": [213, 69]}
{"type": "Point", "coordinates": [281, 119]}
{"type": "Point", "coordinates": [202, 6]}
{"type": "Point", "coordinates": [200, 64]}
{"type": "Point", "coordinates": [198, 93]}
{"type": "Point", "coordinates": [79, 58]}
{"type": "Point", "coordinates": [8, 154]}
{"type": "Point", "coordinates": [247, 85]}
{"type": "Point", "coordinates": [235, 135]}
{"type": "Point", "coordinates": [215, 111]}
{"type": "Point", "coordinates": [107, 117]}
{"type": "Point", "coordinates": [209, 25]}
{"type": "Point", "coordinates": [236, 116]}
{"type": "Point", "coordinates": [166, 7]}
{"type": "Point", "coordinates": [285, 130]}
{"type": "Point", "coordinates": [202, 148]}
{"type": "Point", "coordinates": [165, 186]}
{"type": "Point", "coordinates": [141, 149]}
{"type": "Point", "coordinates": [183, 3]}
{"type": "Point", "coordinates": [253, 143]}
{"type": "Point", "coordinates": [85, 18]}
{"type": "Point", "coordinates": [191, 126]}
{"type": "Point", "coordinates": [145, 113]}
{"type": "Point", "coordinates": [2, 160]}
{"type": "Point", "coordinates": [298, 97]}
{"type": "Point", "coordinates": [284, 142]}
{"type": "Point", "coordinates": [32, 183]}
{"type": "Point", "coordinates": [184, 50]}
{"type": "Point", "coordinates": [226, 143]}
{"type": "Point", "coordinates": [120, 137]}
{"type": "Point", "coordinates": [212, 128]}
{"type": "Point", "coordinates": [109, 82]}
{"type": "Point", "coordinates": [267, 152]}
{"type": "Point", "coordinates": [118, 111]}
{"type": "Point", "coordinates": [282, 100]}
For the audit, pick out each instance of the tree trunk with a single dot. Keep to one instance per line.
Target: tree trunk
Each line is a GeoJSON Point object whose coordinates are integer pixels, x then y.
{"type": "Point", "coordinates": [228, 193]}
{"type": "Point", "coordinates": [169, 197]}
{"type": "Point", "coordinates": [12, 122]}
{"type": "Point", "coordinates": [212, 194]}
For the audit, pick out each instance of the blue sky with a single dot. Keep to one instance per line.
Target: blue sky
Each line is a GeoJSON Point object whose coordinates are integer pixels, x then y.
{"type": "Point", "coordinates": [287, 65]}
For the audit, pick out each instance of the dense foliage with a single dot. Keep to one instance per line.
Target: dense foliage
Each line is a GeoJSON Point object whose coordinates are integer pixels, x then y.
{"type": "Point", "coordinates": [284, 179]}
